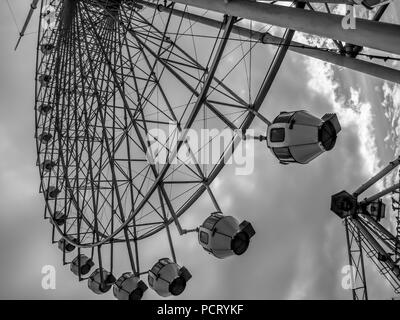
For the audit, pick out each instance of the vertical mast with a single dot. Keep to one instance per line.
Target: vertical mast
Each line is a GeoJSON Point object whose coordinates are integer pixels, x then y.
{"type": "Point", "coordinates": [28, 19]}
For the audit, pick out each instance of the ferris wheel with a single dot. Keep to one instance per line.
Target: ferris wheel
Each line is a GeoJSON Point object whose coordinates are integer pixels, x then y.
{"type": "Point", "coordinates": [121, 84]}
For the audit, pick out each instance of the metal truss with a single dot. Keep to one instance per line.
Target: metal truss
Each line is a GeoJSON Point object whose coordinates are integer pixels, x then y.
{"type": "Point", "coordinates": [367, 236]}
{"type": "Point", "coordinates": [110, 72]}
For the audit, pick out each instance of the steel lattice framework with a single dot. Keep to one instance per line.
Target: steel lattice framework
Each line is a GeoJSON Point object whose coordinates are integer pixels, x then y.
{"type": "Point", "coordinates": [366, 233]}
{"type": "Point", "coordinates": [111, 72]}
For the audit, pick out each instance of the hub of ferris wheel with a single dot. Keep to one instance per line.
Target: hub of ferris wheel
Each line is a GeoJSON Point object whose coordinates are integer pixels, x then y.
{"type": "Point", "coordinates": [91, 135]}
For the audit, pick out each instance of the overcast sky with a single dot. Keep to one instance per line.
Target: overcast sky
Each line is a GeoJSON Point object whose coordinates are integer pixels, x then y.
{"type": "Point", "coordinates": [299, 249]}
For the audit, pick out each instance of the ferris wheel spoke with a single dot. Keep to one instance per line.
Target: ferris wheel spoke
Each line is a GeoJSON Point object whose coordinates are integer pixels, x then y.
{"type": "Point", "coordinates": [151, 78]}
{"type": "Point", "coordinates": [190, 88]}
{"type": "Point", "coordinates": [157, 82]}
{"type": "Point", "coordinates": [161, 188]}
{"type": "Point", "coordinates": [90, 168]}
{"type": "Point", "coordinates": [171, 244]}
{"type": "Point", "coordinates": [218, 25]}
{"type": "Point", "coordinates": [220, 83]}
{"type": "Point", "coordinates": [230, 94]}
{"type": "Point", "coordinates": [107, 143]}
{"type": "Point", "coordinates": [119, 88]}
{"type": "Point", "coordinates": [59, 71]}
{"type": "Point", "coordinates": [204, 179]}
{"type": "Point", "coordinates": [222, 46]}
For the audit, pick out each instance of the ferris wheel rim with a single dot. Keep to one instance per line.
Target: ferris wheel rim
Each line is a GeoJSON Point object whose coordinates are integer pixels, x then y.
{"type": "Point", "coordinates": [132, 215]}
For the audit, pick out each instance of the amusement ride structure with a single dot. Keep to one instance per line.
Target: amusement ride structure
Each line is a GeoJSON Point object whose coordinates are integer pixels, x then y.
{"type": "Point", "coordinates": [110, 72]}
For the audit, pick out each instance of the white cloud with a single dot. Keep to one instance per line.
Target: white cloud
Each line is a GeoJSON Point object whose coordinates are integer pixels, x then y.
{"type": "Point", "coordinates": [391, 105]}
{"type": "Point", "coordinates": [305, 267]}
{"type": "Point", "coordinates": [356, 116]}
{"type": "Point", "coordinates": [353, 113]}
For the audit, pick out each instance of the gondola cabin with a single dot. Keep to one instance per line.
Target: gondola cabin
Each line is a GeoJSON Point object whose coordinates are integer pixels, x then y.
{"type": "Point", "coordinates": [299, 137]}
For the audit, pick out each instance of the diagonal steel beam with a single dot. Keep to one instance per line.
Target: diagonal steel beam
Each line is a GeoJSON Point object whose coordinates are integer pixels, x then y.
{"type": "Point", "coordinates": [356, 261]}
{"type": "Point", "coordinates": [366, 67]}
{"type": "Point", "coordinates": [372, 34]}
{"type": "Point", "coordinates": [272, 72]}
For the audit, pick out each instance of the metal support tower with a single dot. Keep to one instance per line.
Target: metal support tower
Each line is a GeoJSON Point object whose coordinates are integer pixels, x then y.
{"type": "Point", "coordinates": [381, 36]}
{"type": "Point", "coordinates": [366, 235]}
{"type": "Point", "coordinates": [340, 58]}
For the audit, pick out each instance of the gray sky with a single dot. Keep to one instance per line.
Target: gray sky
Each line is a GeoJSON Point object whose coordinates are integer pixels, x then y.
{"type": "Point", "coordinates": [299, 249]}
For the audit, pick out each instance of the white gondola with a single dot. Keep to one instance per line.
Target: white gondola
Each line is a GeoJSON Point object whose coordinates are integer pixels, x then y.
{"type": "Point", "coordinates": [168, 278]}
{"type": "Point", "coordinates": [52, 192]}
{"type": "Point", "coordinates": [64, 245]}
{"type": "Point", "coordinates": [129, 287]}
{"type": "Point", "coordinates": [44, 80]}
{"type": "Point", "coordinates": [45, 137]}
{"type": "Point", "coordinates": [47, 165]}
{"type": "Point", "coordinates": [81, 265]}
{"type": "Point", "coordinates": [59, 218]}
{"type": "Point", "coordinates": [46, 48]}
{"type": "Point", "coordinates": [299, 137]}
{"type": "Point", "coordinates": [100, 281]}
{"type": "Point", "coordinates": [223, 236]}
{"type": "Point", "coordinates": [44, 108]}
